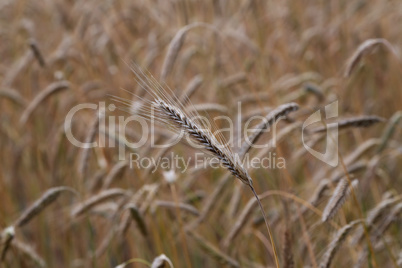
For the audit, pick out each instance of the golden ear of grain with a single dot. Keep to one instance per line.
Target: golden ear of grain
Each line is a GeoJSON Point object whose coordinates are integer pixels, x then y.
{"type": "Point", "coordinates": [178, 119]}
{"type": "Point", "coordinates": [337, 199]}
{"type": "Point", "coordinates": [365, 48]}
{"type": "Point", "coordinates": [39, 205]}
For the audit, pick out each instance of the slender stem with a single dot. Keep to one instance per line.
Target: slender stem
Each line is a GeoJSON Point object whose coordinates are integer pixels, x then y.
{"type": "Point", "coordinates": [268, 228]}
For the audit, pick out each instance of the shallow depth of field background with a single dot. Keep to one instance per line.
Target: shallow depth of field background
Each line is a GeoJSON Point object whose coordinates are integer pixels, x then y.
{"type": "Point", "coordinates": [263, 53]}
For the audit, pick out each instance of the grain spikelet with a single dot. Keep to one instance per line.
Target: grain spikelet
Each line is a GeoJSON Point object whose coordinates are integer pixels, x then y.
{"type": "Point", "coordinates": [46, 93]}
{"type": "Point", "coordinates": [39, 205]}
{"type": "Point", "coordinates": [365, 48]}
{"type": "Point", "coordinates": [363, 121]}
{"type": "Point", "coordinates": [337, 199]}
{"type": "Point", "coordinates": [169, 113]}
{"type": "Point", "coordinates": [373, 216]}
{"type": "Point", "coordinates": [174, 48]}
{"type": "Point", "coordinates": [393, 215]}
{"type": "Point", "coordinates": [336, 242]}
{"type": "Point", "coordinates": [204, 138]}
{"type": "Point", "coordinates": [97, 199]}
{"type": "Point", "coordinates": [268, 121]}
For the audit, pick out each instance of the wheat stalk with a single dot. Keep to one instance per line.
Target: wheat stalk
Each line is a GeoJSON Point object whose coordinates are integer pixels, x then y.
{"type": "Point", "coordinates": [171, 114]}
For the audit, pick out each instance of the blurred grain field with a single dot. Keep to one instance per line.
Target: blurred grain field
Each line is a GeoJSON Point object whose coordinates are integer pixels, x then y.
{"type": "Point", "coordinates": [65, 206]}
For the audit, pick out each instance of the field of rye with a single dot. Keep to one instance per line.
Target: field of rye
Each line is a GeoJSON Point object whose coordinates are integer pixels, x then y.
{"type": "Point", "coordinates": [269, 66]}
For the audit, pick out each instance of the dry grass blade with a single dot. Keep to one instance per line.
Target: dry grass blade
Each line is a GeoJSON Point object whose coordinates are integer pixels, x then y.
{"type": "Point", "coordinates": [363, 121]}
{"type": "Point", "coordinates": [214, 251]}
{"type": "Point", "coordinates": [97, 199]}
{"type": "Point", "coordinates": [136, 215]}
{"type": "Point", "coordinates": [365, 48]}
{"type": "Point", "coordinates": [39, 205]}
{"type": "Point", "coordinates": [337, 199]}
{"type": "Point", "coordinates": [47, 92]}
{"type": "Point", "coordinates": [269, 120]}
{"type": "Point", "coordinates": [336, 242]}
{"type": "Point", "coordinates": [162, 262]}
